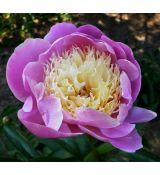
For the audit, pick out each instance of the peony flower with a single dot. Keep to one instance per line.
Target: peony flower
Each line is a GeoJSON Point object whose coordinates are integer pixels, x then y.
{"type": "Point", "coordinates": [75, 81]}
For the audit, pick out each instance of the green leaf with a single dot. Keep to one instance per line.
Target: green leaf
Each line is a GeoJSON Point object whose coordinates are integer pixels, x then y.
{"type": "Point", "coordinates": [19, 142]}
{"type": "Point", "coordinates": [50, 143]}
{"type": "Point", "coordinates": [82, 144]}
{"type": "Point", "coordinates": [8, 110]}
{"type": "Point", "coordinates": [53, 159]}
{"type": "Point", "coordinates": [2, 147]}
{"type": "Point", "coordinates": [67, 144]}
{"type": "Point", "coordinates": [102, 149]}
{"type": "Point", "coordinates": [64, 144]}
{"type": "Point", "coordinates": [142, 155]}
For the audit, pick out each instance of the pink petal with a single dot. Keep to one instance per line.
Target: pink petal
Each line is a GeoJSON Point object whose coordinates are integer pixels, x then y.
{"type": "Point", "coordinates": [23, 54]}
{"type": "Point", "coordinates": [140, 115]}
{"type": "Point", "coordinates": [123, 111]}
{"type": "Point", "coordinates": [67, 117]}
{"type": "Point", "coordinates": [130, 69]}
{"type": "Point", "coordinates": [119, 131]}
{"type": "Point", "coordinates": [59, 30]}
{"type": "Point", "coordinates": [122, 51]}
{"type": "Point", "coordinates": [129, 143]}
{"type": "Point", "coordinates": [95, 132]}
{"type": "Point", "coordinates": [38, 91]}
{"type": "Point", "coordinates": [75, 40]}
{"type": "Point", "coordinates": [41, 130]}
{"type": "Point", "coordinates": [128, 52]}
{"type": "Point", "coordinates": [96, 118]}
{"type": "Point", "coordinates": [120, 54]}
{"type": "Point", "coordinates": [33, 73]}
{"type": "Point", "coordinates": [51, 111]}
{"type": "Point", "coordinates": [125, 86]}
{"type": "Point", "coordinates": [136, 84]}
{"type": "Point", "coordinates": [32, 116]}
{"type": "Point", "coordinates": [90, 30]}
{"type": "Point", "coordinates": [27, 107]}
{"type": "Point", "coordinates": [70, 128]}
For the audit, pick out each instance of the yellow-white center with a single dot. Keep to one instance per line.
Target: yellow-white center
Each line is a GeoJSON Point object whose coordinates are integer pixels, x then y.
{"type": "Point", "coordinates": [84, 78]}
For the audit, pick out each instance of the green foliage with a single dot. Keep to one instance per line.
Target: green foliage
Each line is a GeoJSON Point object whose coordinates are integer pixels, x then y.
{"type": "Point", "coordinates": [22, 26]}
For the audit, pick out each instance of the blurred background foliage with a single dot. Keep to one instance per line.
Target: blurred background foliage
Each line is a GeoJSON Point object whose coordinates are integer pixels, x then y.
{"type": "Point", "coordinates": [140, 31]}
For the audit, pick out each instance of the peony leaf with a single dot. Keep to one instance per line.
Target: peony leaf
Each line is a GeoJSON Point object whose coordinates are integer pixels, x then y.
{"type": "Point", "coordinates": [19, 142]}
{"type": "Point", "coordinates": [102, 149]}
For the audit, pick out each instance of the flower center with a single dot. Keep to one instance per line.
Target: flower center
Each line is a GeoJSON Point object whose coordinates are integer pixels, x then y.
{"type": "Point", "coordinates": [84, 78]}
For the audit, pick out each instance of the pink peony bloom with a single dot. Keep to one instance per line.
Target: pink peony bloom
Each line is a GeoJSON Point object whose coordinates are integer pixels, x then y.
{"type": "Point", "coordinates": [75, 81]}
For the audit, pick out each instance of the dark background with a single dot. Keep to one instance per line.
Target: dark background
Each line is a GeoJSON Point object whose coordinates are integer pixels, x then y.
{"type": "Point", "coordinates": [140, 31]}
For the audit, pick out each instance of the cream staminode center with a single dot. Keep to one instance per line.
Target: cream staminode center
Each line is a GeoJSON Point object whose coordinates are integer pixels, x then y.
{"type": "Point", "coordinates": [84, 79]}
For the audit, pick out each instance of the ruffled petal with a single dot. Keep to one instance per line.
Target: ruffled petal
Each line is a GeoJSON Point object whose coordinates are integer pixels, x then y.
{"type": "Point", "coordinates": [38, 91]}
{"type": "Point", "coordinates": [140, 115]}
{"type": "Point", "coordinates": [122, 51]}
{"type": "Point", "coordinates": [33, 73]}
{"type": "Point", "coordinates": [119, 131]}
{"type": "Point", "coordinates": [96, 118]}
{"type": "Point", "coordinates": [60, 30]}
{"type": "Point", "coordinates": [125, 86]}
{"type": "Point", "coordinates": [33, 76]}
{"type": "Point", "coordinates": [51, 111]}
{"type": "Point", "coordinates": [95, 132]}
{"type": "Point", "coordinates": [28, 105]}
{"type": "Point", "coordinates": [120, 54]}
{"type": "Point", "coordinates": [75, 40]}
{"type": "Point", "coordinates": [130, 69]}
{"type": "Point", "coordinates": [136, 84]}
{"type": "Point", "coordinates": [129, 143]}
{"type": "Point", "coordinates": [90, 30]}
{"type": "Point", "coordinates": [123, 111]}
{"type": "Point", "coordinates": [128, 52]}
{"type": "Point", "coordinates": [40, 130]}
{"type": "Point", "coordinates": [23, 54]}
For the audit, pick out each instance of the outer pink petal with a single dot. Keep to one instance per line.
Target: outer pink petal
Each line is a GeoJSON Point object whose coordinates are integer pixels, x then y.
{"type": "Point", "coordinates": [124, 52]}
{"type": "Point", "coordinates": [118, 50]}
{"type": "Point", "coordinates": [96, 118]}
{"type": "Point", "coordinates": [140, 115]}
{"type": "Point", "coordinates": [90, 30]}
{"type": "Point", "coordinates": [33, 73]}
{"type": "Point", "coordinates": [38, 91]}
{"type": "Point", "coordinates": [75, 40]}
{"type": "Point", "coordinates": [59, 30]}
{"type": "Point", "coordinates": [33, 76]}
{"type": "Point", "coordinates": [129, 143]}
{"type": "Point", "coordinates": [51, 111]}
{"type": "Point", "coordinates": [128, 67]}
{"type": "Point", "coordinates": [128, 52]}
{"type": "Point", "coordinates": [40, 130]}
{"type": "Point", "coordinates": [123, 111]}
{"type": "Point", "coordinates": [125, 86]}
{"type": "Point", "coordinates": [119, 131]}
{"type": "Point", "coordinates": [136, 84]}
{"type": "Point", "coordinates": [95, 132]}
{"type": "Point", "coordinates": [28, 105]}
{"type": "Point", "coordinates": [32, 116]}
{"type": "Point", "coordinates": [23, 54]}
